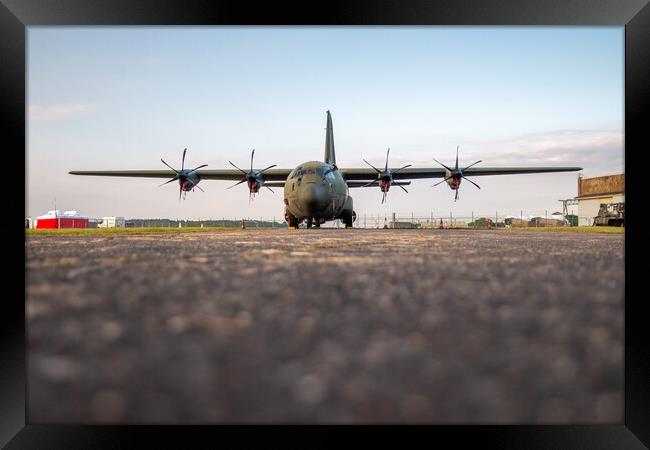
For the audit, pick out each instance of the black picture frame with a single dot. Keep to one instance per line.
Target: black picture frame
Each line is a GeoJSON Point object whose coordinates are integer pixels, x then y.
{"type": "Point", "coordinates": [16, 15]}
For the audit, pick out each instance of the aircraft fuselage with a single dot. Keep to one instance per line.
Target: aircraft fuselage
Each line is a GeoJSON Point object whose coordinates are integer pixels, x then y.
{"type": "Point", "coordinates": [316, 190]}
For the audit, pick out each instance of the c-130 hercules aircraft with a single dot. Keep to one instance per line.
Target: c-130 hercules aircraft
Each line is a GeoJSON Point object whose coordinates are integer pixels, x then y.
{"type": "Point", "coordinates": [318, 191]}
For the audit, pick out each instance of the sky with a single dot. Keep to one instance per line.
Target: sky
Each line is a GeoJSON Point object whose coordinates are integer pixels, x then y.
{"type": "Point", "coordinates": [102, 98]}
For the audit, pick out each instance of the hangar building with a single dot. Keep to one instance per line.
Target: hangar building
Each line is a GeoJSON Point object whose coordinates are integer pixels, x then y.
{"type": "Point", "coordinates": [69, 219]}
{"type": "Point", "coordinates": [592, 192]}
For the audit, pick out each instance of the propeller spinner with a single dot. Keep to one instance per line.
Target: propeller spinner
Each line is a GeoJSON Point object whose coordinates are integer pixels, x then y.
{"type": "Point", "coordinates": [385, 177]}
{"type": "Point", "coordinates": [253, 178]}
{"type": "Point", "coordinates": [188, 179]}
{"type": "Point", "coordinates": [454, 176]}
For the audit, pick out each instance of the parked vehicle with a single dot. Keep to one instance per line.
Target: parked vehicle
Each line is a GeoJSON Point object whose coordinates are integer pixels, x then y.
{"type": "Point", "coordinates": [610, 214]}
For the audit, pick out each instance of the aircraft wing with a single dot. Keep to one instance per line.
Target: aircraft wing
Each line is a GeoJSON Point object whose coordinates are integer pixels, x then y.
{"type": "Point", "coordinates": [358, 184]}
{"type": "Point", "coordinates": [350, 174]}
{"type": "Point", "coordinates": [413, 173]}
{"type": "Point", "coordinates": [204, 174]}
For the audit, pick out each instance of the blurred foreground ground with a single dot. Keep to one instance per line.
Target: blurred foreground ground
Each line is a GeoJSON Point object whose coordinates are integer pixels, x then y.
{"type": "Point", "coordinates": [327, 326]}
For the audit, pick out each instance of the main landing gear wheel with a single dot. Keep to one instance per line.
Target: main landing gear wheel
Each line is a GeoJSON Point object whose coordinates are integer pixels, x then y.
{"type": "Point", "coordinates": [292, 222]}
{"type": "Point", "coordinates": [347, 220]}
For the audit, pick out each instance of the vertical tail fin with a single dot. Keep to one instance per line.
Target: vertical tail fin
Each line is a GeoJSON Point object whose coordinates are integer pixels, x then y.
{"type": "Point", "coordinates": [330, 157]}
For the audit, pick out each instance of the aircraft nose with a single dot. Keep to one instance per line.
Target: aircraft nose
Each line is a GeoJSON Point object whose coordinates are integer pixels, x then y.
{"type": "Point", "coordinates": [314, 196]}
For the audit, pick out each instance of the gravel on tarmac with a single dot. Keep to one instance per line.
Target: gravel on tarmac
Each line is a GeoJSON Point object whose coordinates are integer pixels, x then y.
{"type": "Point", "coordinates": [326, 326]}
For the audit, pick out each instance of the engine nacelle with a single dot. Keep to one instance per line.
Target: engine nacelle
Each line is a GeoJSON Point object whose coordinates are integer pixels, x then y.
{"type": "Point", "coordinates": [188, 182]}
{"type": "Point", "coordinates": [254, 185]}
{"type": "Point", "coordinates": [454, 182]}
{"type": "Point", "coordinates": [384, 184]}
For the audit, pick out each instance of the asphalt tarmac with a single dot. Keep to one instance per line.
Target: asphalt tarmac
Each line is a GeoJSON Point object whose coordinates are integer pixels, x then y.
{"type": "Point", "coordinates": [326, 326]}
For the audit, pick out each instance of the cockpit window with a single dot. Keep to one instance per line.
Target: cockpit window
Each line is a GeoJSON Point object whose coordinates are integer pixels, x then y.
{"type": "Point", "coordinates": [320, 171]}
{"type": "Point", "coordinates": [296, 172]}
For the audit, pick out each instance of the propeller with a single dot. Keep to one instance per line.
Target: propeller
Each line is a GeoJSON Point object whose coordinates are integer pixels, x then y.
{"type": "Point", "coordinates": [385, 177]}
{"type": "Point", "coordinates": [455, 175]}
{"type": "Point", "coordinates": [253, 178]}
{"type": "Point", "coordinates": [187, 179]}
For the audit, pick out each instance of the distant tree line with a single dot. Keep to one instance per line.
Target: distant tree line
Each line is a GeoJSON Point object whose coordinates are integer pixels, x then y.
{"type": "Point", "coordinates": [485, 222]}
{"type": "Point", "coordinates": [252, 223]}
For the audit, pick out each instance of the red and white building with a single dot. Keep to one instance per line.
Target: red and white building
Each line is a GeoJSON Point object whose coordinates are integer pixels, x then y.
{"type": "Point", "coordinates": [69, 219]}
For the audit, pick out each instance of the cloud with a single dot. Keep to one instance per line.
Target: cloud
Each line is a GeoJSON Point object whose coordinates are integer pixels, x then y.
{"type": "Point", "coordinates": [51, 113]}
{"type": "Point", "coordinates": [593, 150]}
{"type": "Point", "coordinates": [597, 151]}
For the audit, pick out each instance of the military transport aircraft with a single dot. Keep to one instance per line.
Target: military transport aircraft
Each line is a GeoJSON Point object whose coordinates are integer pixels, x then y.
{"type": "Point", "coordinates": [318, 191]}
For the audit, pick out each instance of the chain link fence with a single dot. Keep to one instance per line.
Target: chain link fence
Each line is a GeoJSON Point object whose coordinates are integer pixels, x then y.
{"type": "Point", "coordinates": [379, 220]}
{"type": "Point", "coordinates": [470, 220]}
{"type": "Point", "coordinates": [248, 222]}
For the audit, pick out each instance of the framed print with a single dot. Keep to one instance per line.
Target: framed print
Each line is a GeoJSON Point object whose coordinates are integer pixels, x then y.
{"type": "Point", "coordinates": [464, 300]}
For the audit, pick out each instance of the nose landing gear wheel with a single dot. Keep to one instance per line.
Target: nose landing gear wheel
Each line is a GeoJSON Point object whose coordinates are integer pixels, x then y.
{"type": "Point", "coordinates": [292, 222]}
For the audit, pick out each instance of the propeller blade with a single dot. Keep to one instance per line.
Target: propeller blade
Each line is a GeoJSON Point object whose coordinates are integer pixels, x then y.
{"type": "Point", "coordinates": [180, 192]}
{"type": "Point", "coordinates": [262, 171]}
{"type": "Point", "coordinates": [252, 154]}
{"type": "Point", "coordinates": [183, 162]}
{"type": "Point", "coordinates": [457, 157]}
{"type": "Point", "coordinates": [378, 171]}
{"type": "Point", "coordinates": [403, 188]}
{"type": "Point", "coordinates": [163, 161]}
{"type": "Point", "coordinates": [371, 183]}
{"type": "Point", "coordinates": [197, 168]}
{"type": "Point", "coordinates": [464, 177]}
{"type": "Point", "coordinates": [404, 167]}
{"type": "Point", "coordinates": [440, 182]}
{"type": "Point", "coordinates": [269, 189]}
{"type": "Point", "coordinates": [167, 182]}
{"type": "Point", "coordinates": [241, 170]}
{"type": "Point", "coordinates": [386, 167]}
{"type": "Point", "coordinates": [240, 182]}
{"type": "Point", "coordinates": [199, 188]}
{"type": "Point", "coordinates": [471, 165]}
{"type": "Point", "coordinates": [451, 170]}
{"type": "Point", "coordinates": [383, 199]}
{"type": "Point", "coordinates": [456, 198]}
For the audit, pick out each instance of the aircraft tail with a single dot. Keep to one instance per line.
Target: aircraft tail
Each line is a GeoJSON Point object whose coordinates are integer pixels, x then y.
{"type": "Point", "coordinates": [330, 157]}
